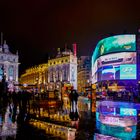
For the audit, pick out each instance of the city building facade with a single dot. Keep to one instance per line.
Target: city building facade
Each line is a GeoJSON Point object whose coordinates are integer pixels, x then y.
{"type": "Point", "coordinates": [36, 77]}
{"type": "Point", "coordinates": [8, 65]}
{"type": "Point", "coordinates": [56, 74]}
{"type": "Point", "coordinates": [84, 73]}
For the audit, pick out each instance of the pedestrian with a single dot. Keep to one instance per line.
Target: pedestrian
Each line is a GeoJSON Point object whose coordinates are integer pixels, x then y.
{"type": "Point", "coordinates": [119, 96]}
{"type": "Point", "coordinates": [129, 96]}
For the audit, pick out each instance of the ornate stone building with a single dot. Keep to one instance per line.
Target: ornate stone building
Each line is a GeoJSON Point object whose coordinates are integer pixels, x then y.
{"type": "Point", "coordinates": [62, 70]}
{"type": "Point", "coordinates": [58, 72]}
{"type": "Point", "coordinates": [8, 65]}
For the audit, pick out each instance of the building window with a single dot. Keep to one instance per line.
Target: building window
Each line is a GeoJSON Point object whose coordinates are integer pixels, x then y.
{"type": "Point", "coordinates": [1, 72]}
{"type": "Point", "coordinates": [11, 72]}
{"type": "Point", "coordinates": [1, 57]}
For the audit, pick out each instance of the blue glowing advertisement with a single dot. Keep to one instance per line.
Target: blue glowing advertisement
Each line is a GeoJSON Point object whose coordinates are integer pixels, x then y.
{"type": "Point", "coordinates": [117, 66]}
{"type": "Point", "coordinates": [118, 72]}
{"type": "Point", "coordinates": [110, 73]}
{"type": "Point", "coordinates": [128, 71]}
{"type": "Point", "coordinates": [128, 112]}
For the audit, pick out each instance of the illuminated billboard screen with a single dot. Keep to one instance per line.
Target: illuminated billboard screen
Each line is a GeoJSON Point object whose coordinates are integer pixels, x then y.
{"type": "Point", "coordinates": [110, 55]}
{"type": "Point", "coordinates": [127, 71]}
{"type": "Point", "coordinates": [128, 112]}
{"type": "Point", "coordinates": [118, 66]}
{"type": "Point", "coordinates": [116, 59]}
{"type": "Point", "coordinates": [119, 43]}
{"type": "Point", "coordinates": [120, 72]}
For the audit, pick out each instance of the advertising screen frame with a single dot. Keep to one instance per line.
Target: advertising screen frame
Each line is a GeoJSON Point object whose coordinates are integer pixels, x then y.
{"type": "Point", "coordinates": [113, 45]}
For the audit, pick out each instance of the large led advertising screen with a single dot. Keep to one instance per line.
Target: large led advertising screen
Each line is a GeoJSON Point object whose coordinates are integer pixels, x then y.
{"type": "Point", "coordinates": [116, 59]}
{"type": "Point", "coordinates": [113, 57]}
{"type": "Point", "coordinates": [117, 66]}
{"type": "Point", "coordinates": [119, 43]}
{"type": "Point", "coordinates": [116, 72]}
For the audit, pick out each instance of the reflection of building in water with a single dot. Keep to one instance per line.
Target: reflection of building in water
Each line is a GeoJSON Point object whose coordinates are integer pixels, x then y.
{"type": "Point", "coordinates": [117, 119]}
{"type": "Point", "coordinates": [58, 131]}
{"type": "Point", "coordinates": [9, 124]}
{"type": "Point", "coordinates": [52, 114]}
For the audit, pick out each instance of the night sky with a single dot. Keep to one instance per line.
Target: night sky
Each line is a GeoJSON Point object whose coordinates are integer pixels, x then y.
{"type": "Point", "coordinates": [36, 28]}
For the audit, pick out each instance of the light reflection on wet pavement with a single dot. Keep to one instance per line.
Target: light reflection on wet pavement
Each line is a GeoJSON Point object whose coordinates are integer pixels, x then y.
{"type": "Point", "coordinates": [19, 123]}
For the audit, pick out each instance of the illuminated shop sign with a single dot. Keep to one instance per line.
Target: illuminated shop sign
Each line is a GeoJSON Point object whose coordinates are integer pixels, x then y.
{"type": "Point", "coordinates": [128, 112]}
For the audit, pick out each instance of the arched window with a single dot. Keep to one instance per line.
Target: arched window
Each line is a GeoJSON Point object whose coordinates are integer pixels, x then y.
{"type": "Point", "coordinates": [1, 72]}
{"type": "Point", "coordinates": [11, 72]}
